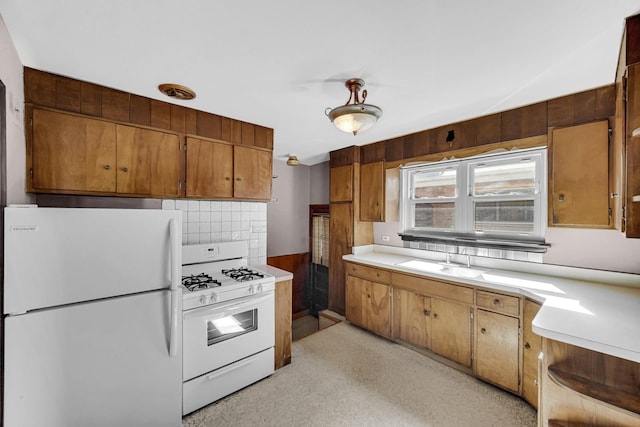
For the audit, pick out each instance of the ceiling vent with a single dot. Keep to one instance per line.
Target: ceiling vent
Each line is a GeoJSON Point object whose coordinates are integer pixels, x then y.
{"type": "Point", "coordinates": [177, 91]}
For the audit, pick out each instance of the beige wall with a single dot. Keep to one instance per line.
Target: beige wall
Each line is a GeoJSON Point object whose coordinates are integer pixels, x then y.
{"type": "Point", "coordinates": [11, 76]}
{"type": "Point", "coordinates": [294, 189]}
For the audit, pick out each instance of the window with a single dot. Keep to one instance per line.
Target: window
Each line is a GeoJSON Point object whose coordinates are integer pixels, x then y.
{"type": "Point", "coordinates": [496, 197]}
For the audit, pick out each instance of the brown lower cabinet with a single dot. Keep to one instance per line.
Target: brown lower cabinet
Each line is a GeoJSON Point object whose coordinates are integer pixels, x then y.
{"type": "Point", "coordinates": [582, 387]}
{"type": "Point", "coordinates": [412, 318]}
{"type": "Point", "coordinates": [451, 330]}
{"type": "Point", "coordinates": [283, 296]}
{"type": "Point", "coordinates": [485, 333]}
{"type": "Point", "coordinates": [531, 348]}
{"type": "Point", "coordinates": [496, 351]}
{"type": "Point", "coordinates": [368, 304]}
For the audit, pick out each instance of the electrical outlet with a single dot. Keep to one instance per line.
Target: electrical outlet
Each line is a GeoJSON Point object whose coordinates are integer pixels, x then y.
{"type": "Point", "coordinates": [385, 238]}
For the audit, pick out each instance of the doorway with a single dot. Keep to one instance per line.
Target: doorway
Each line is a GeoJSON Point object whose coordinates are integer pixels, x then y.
{"type": "Point", "coordinates": [317, 292]}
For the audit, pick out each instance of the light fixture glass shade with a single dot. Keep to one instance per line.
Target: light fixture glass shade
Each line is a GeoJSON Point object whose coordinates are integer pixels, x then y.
{"type": "Point", "coordinates": [355, 116]}
{"type": "Point", "coordinates": [355, 122]}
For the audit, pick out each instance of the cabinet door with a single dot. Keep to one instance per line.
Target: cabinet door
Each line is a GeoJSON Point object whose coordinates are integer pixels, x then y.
{"type": "Point", "coordinates": [148, 162]}
{"type": "Point", "coordinates": [282, 348]}
{"type": "Point", "coordinates": [209, 169]}
{"type": "Point", "coordinates": [377, 313]}
{"type": "Point", "coordinates": [412, 318]}
{"type": "Point", "coordinates": [451, 330]}
{"type": "Point", "coordinates": [497, 349]}
{"type": "Point", "coordinates": [355, 288]}
{"type": "Point", "coordinates": [252, 173]}
{"type": "Point", "coordinates": [71, 153]}
{"type": "Point", "coordinates": [372, 192]}
{"type": "Point", "coordinates": [579, 195]}
{"type": "Point", "coordinates": [341, 184]}
{"type": "Point", "coordinates": [633, 152]}
{"type": "Point", "coordinates": [340, 243]}
{"type": "Point", "coordinates": [532, 346]}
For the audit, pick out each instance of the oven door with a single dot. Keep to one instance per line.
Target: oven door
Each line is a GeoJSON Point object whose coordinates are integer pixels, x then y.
{"type": "Point", "coordinates": [219, 334]}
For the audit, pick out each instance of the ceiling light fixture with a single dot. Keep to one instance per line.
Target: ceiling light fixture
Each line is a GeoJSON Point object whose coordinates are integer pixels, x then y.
{"type": "Point", "coordinates": [355, 117]}
{"type": "Point", "coordinates": [173, 90]}
{"type": "Point", "coordinates": [293, 160]}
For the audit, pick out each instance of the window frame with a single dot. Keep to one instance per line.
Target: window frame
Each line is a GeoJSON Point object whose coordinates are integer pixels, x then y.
{"type": "Point", "coordinates": [465, 200]}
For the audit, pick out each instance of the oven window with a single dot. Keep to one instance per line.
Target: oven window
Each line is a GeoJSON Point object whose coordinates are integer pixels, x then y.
{"type": "Point", "coordinates": [231, 326]}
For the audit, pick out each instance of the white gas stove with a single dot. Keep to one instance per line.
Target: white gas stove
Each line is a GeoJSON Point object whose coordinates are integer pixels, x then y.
{"type": "Point", "coordinates": [218, 272]}
{"type": "Point", "coordinates": [228, 322]}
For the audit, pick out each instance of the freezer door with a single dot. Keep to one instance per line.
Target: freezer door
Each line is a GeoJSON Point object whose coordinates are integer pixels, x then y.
{"type": "Point", "coordinates": [103, 363]}
{"type": "Point", "coordinates": [56, 256]}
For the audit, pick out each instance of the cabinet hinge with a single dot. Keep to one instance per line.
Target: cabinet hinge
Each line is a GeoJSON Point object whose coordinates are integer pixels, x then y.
{"type": "Point", "coordinates": [610, 134]}
{"type": "Point", "coordinates": [185, 147]}
{"type": "Point", "coordinates": [31, 173]}
{"type": "Point", "coordinates": [610, 213]}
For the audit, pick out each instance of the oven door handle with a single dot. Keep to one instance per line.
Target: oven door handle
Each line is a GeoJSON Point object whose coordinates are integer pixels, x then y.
{"type": "Point", "coordinates": [175, 291]}
{"type": "Point", "coordinates": [222, 310]}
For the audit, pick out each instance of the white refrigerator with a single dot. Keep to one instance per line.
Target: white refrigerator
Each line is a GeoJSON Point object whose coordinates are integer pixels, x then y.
{"type": "Point", "coordinates": [92, 306]}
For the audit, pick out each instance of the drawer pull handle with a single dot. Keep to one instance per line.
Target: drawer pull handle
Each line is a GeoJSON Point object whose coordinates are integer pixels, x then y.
{"type": "Point", "coordinates": [125, 169]}
{"type": "Point", "coordinates": [527, 346]}
{"type": "Point", "coordinates": [427, 312]}
{"type": "Point", "coordinates": [435, 315]}
{"type": "Point", "coordinates": [496, 301]}
{"type": "Point", "coordinates": [107, 167]}
{"type": "Point", "coordinates": [483, 330]}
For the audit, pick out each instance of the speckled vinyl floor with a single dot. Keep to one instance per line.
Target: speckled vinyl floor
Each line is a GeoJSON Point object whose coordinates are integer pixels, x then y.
{"type": "Point", "coordinates": [344, 376]}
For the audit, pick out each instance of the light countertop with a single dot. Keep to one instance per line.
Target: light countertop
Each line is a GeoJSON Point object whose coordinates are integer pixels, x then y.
{"type": "Point", "coordinates": [279, 274]}
{"type": "Point", "coordinates": [594, 309]}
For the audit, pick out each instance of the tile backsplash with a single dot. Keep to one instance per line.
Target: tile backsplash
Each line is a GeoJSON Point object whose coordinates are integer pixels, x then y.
{"type": "Point", "coordinates": [206, 221]}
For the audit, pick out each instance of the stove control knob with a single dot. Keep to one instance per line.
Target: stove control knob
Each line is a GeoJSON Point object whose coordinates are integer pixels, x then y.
{"type": "Point", "coordinates": [214, 298]}
{"type": "Point", "coordinates": [252, 290]}
{"type": "Point", "coordinates": [203, 299]}
{"type": "Point", "coordinates": [260, 288]}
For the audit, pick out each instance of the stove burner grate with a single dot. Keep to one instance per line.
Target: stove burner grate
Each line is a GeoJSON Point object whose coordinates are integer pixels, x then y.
{"type": "Point", "coordinates": [242, 274]}
{"type": "Point", "coordinates": [195, 282]}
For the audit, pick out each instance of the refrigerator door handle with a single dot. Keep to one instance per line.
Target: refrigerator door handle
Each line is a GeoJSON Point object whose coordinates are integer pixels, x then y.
{"type": "Point", "coordinates": [176, 267]}
{"type": "Point", "coordinates": [176, 259]}
{"type": "Point", "coordinates": [176, 295]}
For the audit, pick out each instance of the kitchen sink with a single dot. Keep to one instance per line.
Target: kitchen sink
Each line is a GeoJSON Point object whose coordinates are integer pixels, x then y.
{"type": "Point", "coordinates": [461, 271]}
{"type": "Point", "coordinates": [450, 269]}
{"type": "Point", "coordinates": [422, 265]}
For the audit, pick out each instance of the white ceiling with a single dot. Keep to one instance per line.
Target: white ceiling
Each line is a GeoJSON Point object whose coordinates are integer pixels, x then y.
{"type": "Point", "coordinates": [281, 63]}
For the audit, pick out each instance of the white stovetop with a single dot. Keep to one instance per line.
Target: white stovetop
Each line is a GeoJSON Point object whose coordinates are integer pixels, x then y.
{"type": "Point", "coordinates": [593, 309]}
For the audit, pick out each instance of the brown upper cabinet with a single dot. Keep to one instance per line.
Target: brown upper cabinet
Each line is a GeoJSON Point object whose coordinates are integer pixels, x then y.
{"type": "Point", "coordinates": [70, 153]}
{"type": "Point", "coordinates": [341, 184]}
{"type": "Point", "coordinates": [579, 176]}
{"type": "Point", "coordinates": [82, 155]}
{"type": "Point", "coordinates": [252, 173]}
{"type": "Point", "coordinates": [88, 139]}
{"type": "Point", "coordinates": [633, 151]}
{"type": "Point", "coordinates": [220, 170]}
{"type": "Point", "coordinates": [372, 196]}
{"type": "Point", "coordinates": [148, 162]}
{"type": "Point", "coordinates": [209, 169]}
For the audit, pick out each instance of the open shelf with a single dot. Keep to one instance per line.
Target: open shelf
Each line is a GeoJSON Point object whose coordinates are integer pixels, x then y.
{"type": "Point", "coordinates": [609, 396]}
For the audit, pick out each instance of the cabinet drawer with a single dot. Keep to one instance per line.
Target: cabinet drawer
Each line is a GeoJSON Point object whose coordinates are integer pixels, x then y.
{"type": "Point", "coordinates": [430, 287]}
{"type": "Point", "coordinates": [497, 302]}
{"type": "Point", "coordinates": [369, 273]}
